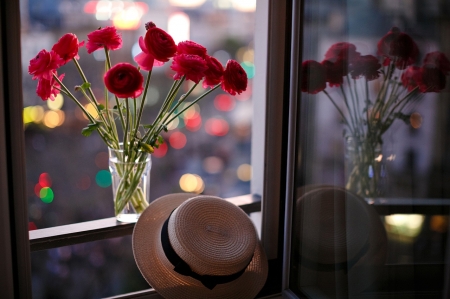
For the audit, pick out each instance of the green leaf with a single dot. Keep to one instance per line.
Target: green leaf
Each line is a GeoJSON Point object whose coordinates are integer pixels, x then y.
{"type": "Point", "coordinates": [148, 126]}
{"type": "Point", "coordinates": [93, 126]}
{"type": "Point", "coordinates": [100, 107]}
{"type": "Point", "coordinates": [85, 85]}
{"type": "Point", "coordinates": [86, 131]}
{"type": "Point", "coordinates": [160, 139]}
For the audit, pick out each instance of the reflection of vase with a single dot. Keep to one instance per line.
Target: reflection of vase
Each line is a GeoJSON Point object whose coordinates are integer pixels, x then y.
{"type": "Point", "coordinates": [365, 168]}
{"type": "Point", "coordinates": [130, 182]}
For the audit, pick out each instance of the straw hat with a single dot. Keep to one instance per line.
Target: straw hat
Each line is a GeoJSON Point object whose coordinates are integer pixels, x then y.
{"type": "Point", "coordinates": [189, 246]}
{"type": "Point", "coordinates": [340, 245]}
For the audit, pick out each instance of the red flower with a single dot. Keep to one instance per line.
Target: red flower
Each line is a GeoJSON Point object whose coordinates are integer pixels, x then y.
{"type": "Point", "coordinates": [48, 89]}
{"type": "Point", "coordinates": [67, 47]}
{"type": "Point", "coordinates": [159, 43]}
{"type": "Point", "coordinates": [104, 37]}
{"type": "Point", "coordinates": [334, 72]}
{"type": "Point", "coordinates": [399, 47]}
{"type": "Point", "coordinates": [439, 60]}
{"type": "Point", "coordinates": [214, 73]}
{"type": "Point", "coordinates": [411, 77]}
{"type": "Point", "coordinates": [342, 51]}
{"type": "Point", "coordinates": [367, 66]}
{"type": "Point", "coordinates": [433, 79]}
{"type": "Point", "coordinates": [313, 77]}
{"type": "Point", "coordinates": [190, 47]}
{"type": "Point", "coordinates": [144, 59]}
{"type": "Point", "coordinates": [124, 80]}
{"type": "Point", "coordinates": [44, 64]}
{"type": "Point", "coordinates": [234, 78]}
{"type": "Point", "coordinates": [191, 66]}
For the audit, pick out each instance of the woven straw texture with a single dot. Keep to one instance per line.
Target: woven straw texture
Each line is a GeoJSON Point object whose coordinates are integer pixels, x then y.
{"type": "Point", "coordinates": [231, 248]}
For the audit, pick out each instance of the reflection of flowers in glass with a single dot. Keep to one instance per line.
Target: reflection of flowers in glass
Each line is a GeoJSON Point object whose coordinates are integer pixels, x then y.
{"type": "Point", "coordinates": [67, 47]}
{"type": "Point", "coordinates": [106, 37]}
{"type": "Point", "coordinates": [367, 119]}
{"type": "Point", "coordinates": [124, 80]}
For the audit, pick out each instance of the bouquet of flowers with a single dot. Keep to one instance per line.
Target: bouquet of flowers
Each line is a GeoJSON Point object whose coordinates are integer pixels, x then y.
{"type": "Point", "coordinates": [366, 119]}
{"type": "Point", "coordinates": [119, 119]}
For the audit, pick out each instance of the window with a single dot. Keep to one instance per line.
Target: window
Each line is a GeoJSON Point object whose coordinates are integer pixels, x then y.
{"type": "Point", "coordinates": [400, 200]}
{"type": "Point", "coordinates": [14, 233]}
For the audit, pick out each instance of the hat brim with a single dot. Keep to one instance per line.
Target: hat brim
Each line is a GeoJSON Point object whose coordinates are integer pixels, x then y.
{"type": "Point", "coordinates": [159, 273]}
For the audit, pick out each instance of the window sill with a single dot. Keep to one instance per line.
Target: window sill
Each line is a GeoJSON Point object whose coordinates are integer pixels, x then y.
{"type": "Point", "coordinates": [59, 236]}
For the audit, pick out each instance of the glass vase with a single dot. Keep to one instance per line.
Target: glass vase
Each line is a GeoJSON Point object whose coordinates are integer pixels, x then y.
{"type": "Point", "coordinates": [366, 173]}
{"type": "Point", "coordinates": [130, 172]}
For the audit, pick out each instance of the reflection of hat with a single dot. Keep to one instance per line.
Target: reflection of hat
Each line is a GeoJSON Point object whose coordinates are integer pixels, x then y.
{"type": "Point", "coordinates": [189, 246]}
{"type": "Point", "coordinates": [340, 244]}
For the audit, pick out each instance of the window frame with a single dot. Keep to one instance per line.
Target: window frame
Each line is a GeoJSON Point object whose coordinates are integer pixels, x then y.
{"type": "Point", "coordinates": [268, 158]}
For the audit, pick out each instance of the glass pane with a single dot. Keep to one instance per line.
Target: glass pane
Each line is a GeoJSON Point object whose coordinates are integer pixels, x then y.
{"type": "Point", "coordinates": [371, 195]}
{"type": "Point", "coordinates": [207, 150]}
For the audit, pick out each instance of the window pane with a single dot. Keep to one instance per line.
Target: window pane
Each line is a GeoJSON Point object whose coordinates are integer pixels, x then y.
{"type": "Point", "coordinates": [371, 200]}
{"type": "Point", "coordinates": [67, 173]}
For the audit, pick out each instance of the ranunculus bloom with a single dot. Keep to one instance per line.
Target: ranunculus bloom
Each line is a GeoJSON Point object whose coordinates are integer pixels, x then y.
{"type": "Point", "coordinates": [313, 77]}
{"type": "Point", "coordinates": [190, 47]}
{"type": "Point", "coordinates": [234, 78]}
{"type": "Point", "coordinates": [191, 66]}
{"type": "Point", "coordinates": [145, 60]}
{"type": "Point", "coordinates": [398, 47]}
{"type": "Point", "coordinates": [67, 47]}
{"type": "Point", "coordinates": [411, 77]}
{"type": "Point", "coordinates": [334, 72]}
{"type": "Point", "coordinates": [433, 79]}
{"type": "Point", "coordinates": [342, 51]}
{"type": "Point", "coordinates": [48, 89]}
{"type": "Point", "coordinates": [439, 60]}
{"type": "Point", "coordinates": [124, 80]}
{"type": "Point", "coordinates": [44, 64]}
{"type": "Point", "coordinates": [214, 73]}
{"type": "Point", "coordinates": [104, 37]}
{"type": "Point", "coordinates": [159, 43]}
{"type": "Point", "coordinates": [367, 66]}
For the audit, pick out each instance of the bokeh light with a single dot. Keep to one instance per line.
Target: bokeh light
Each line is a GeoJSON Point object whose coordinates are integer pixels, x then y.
{"type": "Point", "coordinates": [84, 182]}
{"type": "Point", "coordinates": [46, 195]}
{"type": "Point", "coordinates": [244, 5]}
{"type": "Point", "coordinates": [179, 26]}
{"type": "Point", "coordinates": [45, 180]}
{"type": "Point", "coordinates": [187, 3]}
{"type": "Point", "coordinates": [102, 160]}
{"type": "Point", "coordinates": [177, 140]}
{"type": "Point", "coordinates": [53, 119]}
{"type": "Point", "coordinates": [194, 122]}
{"type": "Point", "coordinates": [173, 124]}
{"type": "Point", "coordinates": [57, 103]}
{"type": "Point", "coordinates": [249, 68]}
{"type": "Point", "coordinates": [213, 165]}
{"type": "Point", "coordinates": [103, 178]}
{"type": "Point", "coordinates": [91, 109]}
{"type": "Point", "coordinates": [415, 120]}
{"type": "Point", "coordinates": [192, 183]}
{"type": "Point", "coordinates": [224, 102]}
{"type": "Point", "coordinates": [161, 151]}
{"type": "Point", "coordinates": [408, 225]}
{"type": "Point", "coordinates": [33, 114]}
{"type": "Point", "coordinates": [244, 172]}
{"type": "Point", "coordinates": [216, 127]}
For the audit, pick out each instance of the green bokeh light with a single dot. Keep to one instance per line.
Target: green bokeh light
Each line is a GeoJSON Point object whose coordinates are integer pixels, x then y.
{"type": "Point", "coordinates": [103, 178]}
{"type": "Point", "coordinates": [46, 195]}
{"type": "Point", "coordinates": [249, 68]}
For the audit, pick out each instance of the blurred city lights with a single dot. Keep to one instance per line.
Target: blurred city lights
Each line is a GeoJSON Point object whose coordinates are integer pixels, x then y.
{"type": "Point", "coordinates": [408, 225]}
{"type": "Point", "coordinates": [244, 96]}
{"type": "Point", "coordinates": [244, 172]}
{"type": "Point", "coordinates": [33, 114]}
{"type": "Point", "coordinates": [173, 124]}
{"type": "Point", "coordinates": [161, 150]}
{"type": "Point", "coordinates": [415, 120]}
{"type": "Point", "coordinates": [52, 119]}
{"type": "Point", "coordinates": [179, 26]}
{"type": "Point", "coordinates": [46, 194]}
{"type": "Point", "coordinates": [249, 68]}
{"type": "Point", "coordinates": [216, 127]}
{"type": "Point", "coordinates": [103, 178]}
{"type": "Point", "coordinates": [84, 182]}
{"type": "Point", "coordinates": [57, 103]}
{"type": "Point", "coordinates": [224, 102]}
{"type": "Point", "coordinates": [192, 183]}
{"type": "Point", "coordinates": [45, 180]}
{"type": "Point", "coordinates": [187, 3]}
{"type": "Point", "coordinates": [177, 140]}
{"type": "Point", "coordinates": [194, 122]}
{"type": "Point", "coordinates": [91, 109]}
{"type": "Point", "coordinates": [102, 160]}
{"type": "Point", "coordinates": [213, 165]}
{"type": "Point", "coordinates": [244, 5]}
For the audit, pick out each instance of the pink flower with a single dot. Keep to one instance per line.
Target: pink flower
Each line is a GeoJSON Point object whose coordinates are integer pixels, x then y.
{"type": "Point", "coordinates": [48, 89]}
{"type": "Point", "coordinates": [234, 78]}
{"type": "Point", "coordinates": [398, 47]}
{"type": "Point", "coordinates": [367, 66]}
{"type": "Point", "coordinates": [104, 38]}
{"type": "Point", "coordinates": [342, 51]}
{"type": "Point", "coordinates": [67, 47]}
{"type": "Point", "coordinates": [44, 64]}
{"type": "Point", "coordinates": [433, 79]}
{"type": "Point", "coordinates": [411, 77]}
{"type": "Point", "coordinates": [334, 72]}
{"type": "Point", "coordinates": [313, 77]}
{"type": "Point", "coordinates": [159, 43]}
{"type": "Point", "coordinates": [439, 60]}
{"type": "Point", "coordinates": [190, 47]}
{"type": "Point", "coordinates": [144, 59]}
{"type": "Point", "coordinates": [214, 73]}
{"type": "Point", "coordinates": [124, 80]}
{"type": "Point", "coordinates": [191, 66]}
